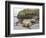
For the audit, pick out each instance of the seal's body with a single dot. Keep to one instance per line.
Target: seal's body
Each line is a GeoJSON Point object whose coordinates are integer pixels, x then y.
{"type": "Point", "coordinates": [27, 23]}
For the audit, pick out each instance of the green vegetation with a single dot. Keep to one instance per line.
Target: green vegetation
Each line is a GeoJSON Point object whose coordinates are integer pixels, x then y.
{"type": "Point", "coordinates": [28, 13]}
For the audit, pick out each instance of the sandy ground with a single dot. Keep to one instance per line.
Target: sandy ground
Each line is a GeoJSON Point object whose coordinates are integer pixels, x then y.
{"type": "Point", "coordinates": [35, 26]}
